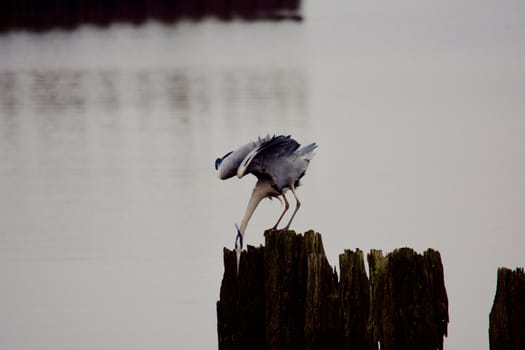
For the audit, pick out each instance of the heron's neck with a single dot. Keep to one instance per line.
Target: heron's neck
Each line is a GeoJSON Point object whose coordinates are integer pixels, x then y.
{"type": "Point", "coordinates": [262, 189]}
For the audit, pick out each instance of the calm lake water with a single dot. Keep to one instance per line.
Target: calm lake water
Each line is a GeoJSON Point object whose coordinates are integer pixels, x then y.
{"type": "Point", "coordinates": [112, 220]}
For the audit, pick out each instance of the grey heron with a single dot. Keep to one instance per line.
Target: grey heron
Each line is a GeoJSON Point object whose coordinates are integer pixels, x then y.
{"type": "Point", "coordinates": [278, 162]}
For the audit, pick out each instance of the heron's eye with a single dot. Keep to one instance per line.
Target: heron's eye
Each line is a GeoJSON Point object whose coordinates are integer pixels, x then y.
{"type": "Point", "coordinates": [218, 162]}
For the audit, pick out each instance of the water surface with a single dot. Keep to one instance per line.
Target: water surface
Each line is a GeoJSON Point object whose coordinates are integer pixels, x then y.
{"type": "Point", "coordinates": [113, 221]}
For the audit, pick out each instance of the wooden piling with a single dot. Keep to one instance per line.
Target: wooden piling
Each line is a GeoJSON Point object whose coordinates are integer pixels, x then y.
{"type": "Point", "coordinates": [287, 296]}
{"type": "Point", "coordinates": [241, 309]}
{"type": "Point", "coordinates": [409, 304]}
{"type": "Point", "coordinates": [507, 317]}
{"type": "Point", "coordinates": [354, 289]}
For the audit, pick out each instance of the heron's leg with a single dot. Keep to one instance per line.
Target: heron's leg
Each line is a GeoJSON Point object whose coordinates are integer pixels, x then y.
{"type": "Point", "coordinates": [286, 206]}
{"type": "Point", "coordinates": [297, 206]}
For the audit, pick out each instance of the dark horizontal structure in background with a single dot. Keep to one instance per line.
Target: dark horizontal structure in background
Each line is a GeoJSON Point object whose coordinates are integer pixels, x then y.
{"type": "Point", "coordinates": [41, 15]}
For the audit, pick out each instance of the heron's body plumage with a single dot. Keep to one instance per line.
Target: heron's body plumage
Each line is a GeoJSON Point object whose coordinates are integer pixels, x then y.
{"type": "Point", "coordinates": [278, 162]}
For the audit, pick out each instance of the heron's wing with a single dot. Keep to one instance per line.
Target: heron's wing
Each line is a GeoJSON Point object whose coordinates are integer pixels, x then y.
{"type": "Point", "coordinates": [261, 160]}
{"type": "Point", "coordinates": [227, 165]}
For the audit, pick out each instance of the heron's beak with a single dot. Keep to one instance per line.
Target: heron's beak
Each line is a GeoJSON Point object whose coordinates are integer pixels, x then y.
{"type": "Point", "coordinates": [238, 247]}
{"type": "Point", "coordinates": [259, 192]}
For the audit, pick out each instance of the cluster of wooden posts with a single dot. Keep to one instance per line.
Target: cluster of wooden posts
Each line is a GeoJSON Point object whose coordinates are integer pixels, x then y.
{"type": "Point", "coordinates": [287, 296]}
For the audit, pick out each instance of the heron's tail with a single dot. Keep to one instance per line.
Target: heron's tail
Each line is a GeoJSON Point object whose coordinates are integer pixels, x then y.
{"type": "Point", "coordinates": [307, 152]}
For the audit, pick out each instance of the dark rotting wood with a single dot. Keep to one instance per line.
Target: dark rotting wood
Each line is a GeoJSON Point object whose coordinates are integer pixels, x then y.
{"type": "Point", "coordinates": [240, 311]}
{"type": "Point", "coordinates": [301, 289]}
{"type": "Point", "coordinates": [507, 317]}
{"type": "Point", "coordinates": [355, 301]}
{"type": "Point", "coordinates": [285, 290]}
{"type": "Point", "coordinates": [287, 296]}
{"type": "Point", "coordinates": [409, 304]}
{"type": "Point", "coordinates": [322, 319]}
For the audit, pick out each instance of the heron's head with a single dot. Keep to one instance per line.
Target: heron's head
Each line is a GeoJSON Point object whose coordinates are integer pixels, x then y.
{"type": "Point", "coordinates": [224, 168]}
{"type": "Point", "coordinates": [218, 162]}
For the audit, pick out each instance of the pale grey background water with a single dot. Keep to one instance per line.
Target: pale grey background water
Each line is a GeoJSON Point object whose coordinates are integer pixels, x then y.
{"type": "Point", "coordinates": [112, 220]}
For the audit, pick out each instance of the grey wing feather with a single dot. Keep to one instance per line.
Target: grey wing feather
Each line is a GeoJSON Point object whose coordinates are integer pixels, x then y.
{"type": "Point", "coordinates": [260, 160]}
{"type": "Point", "coordinates": [229, 164]}
{"type": "Point", "coordinates": [277, 146]}
{"type": "Point", "coordinates": [288, 168]}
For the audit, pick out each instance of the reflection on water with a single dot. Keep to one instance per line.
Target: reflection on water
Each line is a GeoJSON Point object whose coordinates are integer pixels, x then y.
{"type": "Point", "coordinates": [55, 104]}
{"type": "Point", "coordinates": [96, 113]}
{"type": "Point", "coordinates": [179, 91]}
{"type": "Point", "coordinates": [103, 174]}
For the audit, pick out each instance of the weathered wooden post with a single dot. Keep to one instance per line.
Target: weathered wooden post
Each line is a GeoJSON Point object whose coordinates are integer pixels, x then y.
{"type": "Point", "coordinates": [409, 301]}
{"type": "Point", "coordinates": [355, 301]}
{"type": "Point", "coordinates": [322, 319]}
{"type": "Point", "coordinates": [285, 290]}
{"type": "Point", "coordinates": [241, 308]}
{"type": "Point", "coordinates": [507, 317]}
{"type": "Point", "coordinates": [287, 296]}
